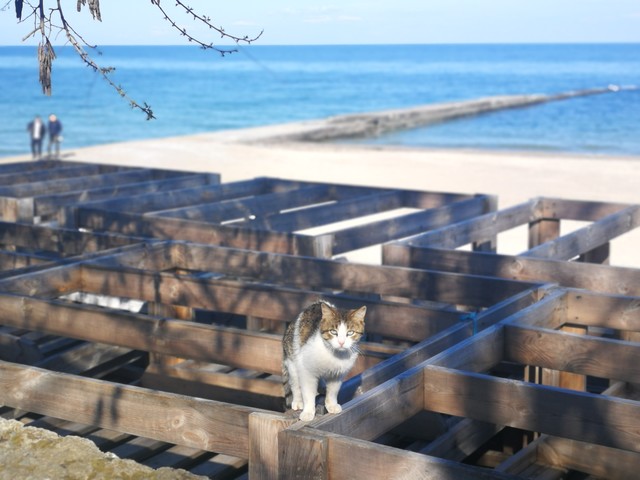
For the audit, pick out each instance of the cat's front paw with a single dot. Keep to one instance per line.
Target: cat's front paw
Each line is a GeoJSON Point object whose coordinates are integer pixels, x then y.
{"type": "Point", "coordinates": [333, 408]}
{"type": "Point", "coordinates": [297, 405]}
{"type": "Point", "coordinates": [307, 416]}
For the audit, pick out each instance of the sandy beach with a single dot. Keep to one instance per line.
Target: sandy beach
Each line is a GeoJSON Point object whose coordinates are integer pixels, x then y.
{"type": "Point", "coordinates": [513, 176]}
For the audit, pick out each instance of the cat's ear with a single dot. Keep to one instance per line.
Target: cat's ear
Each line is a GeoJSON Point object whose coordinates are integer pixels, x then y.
{"type": "Point", "coordinates": [327, 310]}
{"type": "Point", "coordinates": [358, 314]}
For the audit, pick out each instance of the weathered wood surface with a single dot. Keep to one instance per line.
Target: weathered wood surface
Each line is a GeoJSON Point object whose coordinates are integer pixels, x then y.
{"type": "Point", "coordinates": [67, 170]}
{"type": "Point", "coordinates": [599, 357]}
{"type": "Point", "coordinates": [534, 407]}
{"type": "Point", "coordinates": [434, 286]}
{"type": "Point", "coordinates": [49, 204]}
{"type": "Point", "coordinates": [598, 278]}
{"type": "Point", "coordinates": [310, 454]}
{"type": "Point", "coordinates": [589, 237]}
{"type": "Point", "coordinates": [264, 215]}
{"type": "Point", "coordinates": [197, 423]}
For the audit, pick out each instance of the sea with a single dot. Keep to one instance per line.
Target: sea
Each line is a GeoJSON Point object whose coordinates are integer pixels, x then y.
{"type": "Point", "coordinates": [191, 91]}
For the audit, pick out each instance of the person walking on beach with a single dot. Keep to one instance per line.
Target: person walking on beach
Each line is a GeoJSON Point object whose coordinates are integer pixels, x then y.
{"type": "Point", "coordinates": [37, 130]}
{"type": "Point", "coordinates": [55, 135]}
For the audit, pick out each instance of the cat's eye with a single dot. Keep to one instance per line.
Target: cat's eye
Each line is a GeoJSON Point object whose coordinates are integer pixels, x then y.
{"type": "Point", "coordinates": [350, 333]}
{"type": "Point", "coordinates": [333, 332]}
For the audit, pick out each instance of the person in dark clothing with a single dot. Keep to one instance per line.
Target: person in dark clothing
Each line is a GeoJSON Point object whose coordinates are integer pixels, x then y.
{"type": "Point", "coordinates": [55, 135]}
{"type": "Point", "coordinates": [37, 130]}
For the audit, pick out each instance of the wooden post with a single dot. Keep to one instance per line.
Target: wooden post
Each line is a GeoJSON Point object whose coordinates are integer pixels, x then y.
{"type": "Point", "coordinates": [543, 230]}
{"type": "Point", "coordinates": [264, 429]}
{"type": "Point", "coordinates": [302, 455]}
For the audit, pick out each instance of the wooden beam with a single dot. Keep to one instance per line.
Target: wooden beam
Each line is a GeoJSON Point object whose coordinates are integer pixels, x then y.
{"type": "Point", "coordinates": [9, 181]}
{"type": "Point", "coordinates": [607, 311]}
{"type": "Point", "coordinates": [411, 322]}
{"type": "Point", "coordinates": [168, 417]}
{"type": "Point", "coordinates": [259, 205]}
{"type": "Point", "coordinates": [50, 203]}
{"type": "Point", "coordinates": [428, 348]}
{"type": "Point", "coordinates": [378, 410]}
{"type": "Point", "coordinates": [476, 229]}
{"type": "Point", "coordinates": [569, 352]}
{"type": "Point", "coordinates": [146, 202]}
{"type": "Point", "coordinates": [198, 232]}
{"type": "Point", "coordinates": [343, 209]}
{"type": "Point", "coordinates": [406, 225]}
{"type": "Point", "coordinates": [450, 288]}
{"type": "Point", "coordinates": [239, 348]}
{"type": "Point", "coordinates": [596, 460]}
{"type": "Point", "coordinates": [581, 210]}
{"type": "Point", "coordinates": [575, 415]}
{"type": "Point", "coordinates": [597, 278]}
{"type": "Point", "coordinates": [590, 237]}
{"type": "Point", "coordinates": [309, 454]}
{"type": "Point", "coordinates": [463, 439]}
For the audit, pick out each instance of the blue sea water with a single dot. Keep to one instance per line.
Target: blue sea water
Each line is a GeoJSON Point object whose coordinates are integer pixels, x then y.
{"type": "Point", "coordinates": [192, 90]}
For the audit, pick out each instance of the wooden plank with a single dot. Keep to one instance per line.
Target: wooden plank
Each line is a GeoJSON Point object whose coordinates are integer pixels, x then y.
{"type": "Point", "coordinates": [29, 166]}
{"type": "Point", "coordinates": [570, 352]}
{"type": "Point", "coordinates": [461, 440]}
{"type": "Point", "coordinates": [240, 348]}
{"type": "Point", "coordinates": [427, 200]}
{"type": "Point", "coordinates": [264, 429]}
{"type": "Point", "coordinates": [581, 210]}
{"type": "Point", "coordinates": [359, 460]}
{"type": "Point", "coordinates": [188, 421]}
{"type": "Point", "coordinates": [52, 282]}
{"type": "Point", "coordinates": [535, 408]}
{"type": "Point", "coordinates": [343, 209]}
{"type": "Point", "coordinates": [411, 322]}
{"type": "Point", "coordinates": [48, 204]}
{"type": "Point", "coordinates": [198, 232]}
{"type": "Point", "coordinates": [443, 287]}
{"type": "Point", "coordinates": [87, 182]}
{"type": "Point", "coordinates": [13, 261]}
{"type": "Point", "coordinates": [58, 240]}
{"type": "Point", "coordinates": [259, 205]}
{"type": "Point", "coordinates": [596, 460]}
{"type": "Point", "coordinates": [478, 228]}
{"type": "Point", "coordinates": [9, 182]}
{"type": "Point", "coordinates": [157, 201]}
{"type": "Point", "coordinates": [589, 237]}
{"type": "Point", "coordinates": [378, 410]}
{"type": "Point", "coordinates": [378, 232]}
{"type": "Point", "coordinates": [597, 278]}
{"type": "Point", "coordinates": [393, 366]}
{"type": "Point", "coordinates": [251, 392]}
{"type": "Point", "coordinates": [608, 311]}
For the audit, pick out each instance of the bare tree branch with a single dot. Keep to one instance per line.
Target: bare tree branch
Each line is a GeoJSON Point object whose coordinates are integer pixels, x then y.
{"type": "Point", "coordinates": [55, 22]}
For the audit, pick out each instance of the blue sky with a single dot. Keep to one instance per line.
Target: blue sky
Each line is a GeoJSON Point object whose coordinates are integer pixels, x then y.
{"type": "Point", "coordinates": [288, 22]}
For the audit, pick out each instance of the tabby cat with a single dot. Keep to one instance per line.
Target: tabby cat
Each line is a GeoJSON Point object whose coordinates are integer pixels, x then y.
{"type": "Point", "coordinates": [321, 344]}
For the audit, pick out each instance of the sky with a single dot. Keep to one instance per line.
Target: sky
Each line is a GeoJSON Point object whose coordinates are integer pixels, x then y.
{"type": "Point", "coordinates": [296, 22]}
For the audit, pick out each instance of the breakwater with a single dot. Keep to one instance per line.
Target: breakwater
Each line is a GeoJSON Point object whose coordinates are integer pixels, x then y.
{"type": "Point", "coordinates": [377, 123]}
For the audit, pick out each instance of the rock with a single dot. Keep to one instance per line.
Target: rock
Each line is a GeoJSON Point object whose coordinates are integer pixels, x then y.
{"type": "Point", "coordinates": [31, 453]}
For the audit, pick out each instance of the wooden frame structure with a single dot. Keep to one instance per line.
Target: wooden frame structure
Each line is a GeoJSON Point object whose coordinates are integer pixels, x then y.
{"type": "Point", "coordinates": [282, 216]}
{"type": "Point", "coordinates": [487, 387]}
{"type": "Point", "coordinates": [549, 255]}
{"type": "Point", "coordinates": [152, 325]}
{"type": "Point", "coordinates": [34, 192]}
{"type": "Point", "coordinates": [170, 275]}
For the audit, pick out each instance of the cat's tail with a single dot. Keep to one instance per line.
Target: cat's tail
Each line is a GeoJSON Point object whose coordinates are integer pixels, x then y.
{"type": "Point", "coordinates": [286, 386]}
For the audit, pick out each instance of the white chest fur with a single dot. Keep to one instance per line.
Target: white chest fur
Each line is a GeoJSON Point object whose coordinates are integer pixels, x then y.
{"type": "Point", "coordinates": [321, 361]}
